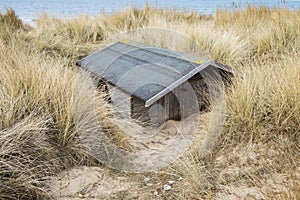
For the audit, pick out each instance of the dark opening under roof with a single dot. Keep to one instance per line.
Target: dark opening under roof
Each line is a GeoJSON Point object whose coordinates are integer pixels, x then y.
{"type": "Point", "coordinates": [144, 71]}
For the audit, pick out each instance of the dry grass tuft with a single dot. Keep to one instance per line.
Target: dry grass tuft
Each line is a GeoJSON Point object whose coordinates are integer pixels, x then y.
{"type": "Point", "coordinates": [9, 23]}
{"type": "Point", "coordinates": [37, 131]}
{"type": "Point", "coordinates": [271, 32]}
{"type": "Point", "coordinates": [25, 160]}
{"type": "Point", "coordinates": [264, 101]}
{"type": "Point", "coordinates": [11, 20]}
{"type": "Point", "coordinates": [39, 95]}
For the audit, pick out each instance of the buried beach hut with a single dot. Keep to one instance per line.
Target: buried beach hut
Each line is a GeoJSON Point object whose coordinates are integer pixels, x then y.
{"type": "Point", "coordinates": [152, 84]}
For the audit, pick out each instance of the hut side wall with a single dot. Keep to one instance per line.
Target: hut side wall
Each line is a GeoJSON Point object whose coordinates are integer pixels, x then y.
{"type": "Point", "coordinates": [154, 115]}
{"type": "Point", "coordinates": [172, 105]}
{"type": "Point", "coordinates": [158, 112]}
{"type": "Point", "coordinates": [138, 110]}
{"type": "Point", "coordinates": [188, 98]}
{"type": "Point", "coordinates": [175, 105]}
{"type": "Point", "coordinates": [201, 92]}
{"type": "Point", "coordinates": [121, 101]}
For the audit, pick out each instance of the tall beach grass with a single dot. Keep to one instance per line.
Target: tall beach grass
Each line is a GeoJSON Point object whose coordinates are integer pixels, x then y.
{"type": "Point", "coordinates": [38, 135]}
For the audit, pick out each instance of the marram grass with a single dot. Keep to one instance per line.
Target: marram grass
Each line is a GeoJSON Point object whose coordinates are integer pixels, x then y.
{"type": "Point", "coordinates": [38, 135]}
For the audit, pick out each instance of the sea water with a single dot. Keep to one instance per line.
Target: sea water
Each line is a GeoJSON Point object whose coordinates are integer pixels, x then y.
{"type": "Point", "coordinates": [28, 10]}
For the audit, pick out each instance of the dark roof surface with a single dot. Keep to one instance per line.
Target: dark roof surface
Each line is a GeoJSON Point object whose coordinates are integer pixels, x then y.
{"type": "Point", "coordinates": [144, 71]}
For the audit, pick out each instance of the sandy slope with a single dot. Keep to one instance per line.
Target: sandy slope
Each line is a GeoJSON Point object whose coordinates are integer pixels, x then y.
{"type": "Point", "coordinates": [104, 183]}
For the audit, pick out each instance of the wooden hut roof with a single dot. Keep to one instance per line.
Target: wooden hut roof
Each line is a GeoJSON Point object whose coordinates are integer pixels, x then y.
{"type": "Point", "coordinates": [145, 71]}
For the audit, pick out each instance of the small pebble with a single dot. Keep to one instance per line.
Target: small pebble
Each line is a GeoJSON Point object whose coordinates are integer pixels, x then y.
{"type": "Point", "coordinates": [167, 187]}
{"type": "Point", "coordinates": [180, 178]}
{"type": "Point", "coordinates": [146, 179]}
{"type": "Point", "coordinates": [155, 193]}
{"type": "Point", "coordinates": [149, 184]}
{"type": "Point", "coordinates": [171, 182]}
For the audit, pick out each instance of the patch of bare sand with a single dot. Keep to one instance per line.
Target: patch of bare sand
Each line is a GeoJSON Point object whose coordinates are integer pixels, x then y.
{"type": "Point", "coordinates": [277, 186]}
{"type": "Point", "coordinates": [147, 138]}
{"type": "Point", "coordinates": [245, 174]}
{"type": "Point", "coordinates": [94, 183]}
{"type": "Point", "coordinates": [103, 183]}
{"type": "Point", "coordinates": [238, 165]}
